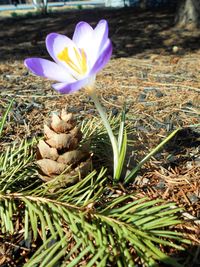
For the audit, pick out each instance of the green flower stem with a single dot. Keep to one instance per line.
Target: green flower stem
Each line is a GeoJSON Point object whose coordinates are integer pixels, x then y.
{"type": "Point", "coordinates": [108, 128]}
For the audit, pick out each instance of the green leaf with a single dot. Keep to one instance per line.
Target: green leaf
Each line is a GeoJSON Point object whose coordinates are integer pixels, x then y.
{"type": "Point", "coordinates": [121, 129]}
{"type": "Point", "coordinates": [132, 174]}
{"type": "Point", "coordinates": [122, 156]}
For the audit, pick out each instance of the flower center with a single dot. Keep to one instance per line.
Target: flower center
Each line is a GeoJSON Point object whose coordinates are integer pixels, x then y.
{"type": "Point", "coordinates": [79, 65]}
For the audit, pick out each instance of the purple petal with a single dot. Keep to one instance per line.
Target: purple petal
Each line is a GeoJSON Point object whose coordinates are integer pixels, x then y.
{"type": "Point", "coordinates": [103, 58]}
{"type": "Point", "coordinates": [55, 44]}
{"type": "Point", "coordinates": [100, 34]}
{"type": "Point", "coordinates": [83, 34]}
{"type": "Point", "coordinates": [66, 88]}
{"type": "Point", "coordinates": [45, 68]}
{"type": "Point", "coordinates": [99, 40]}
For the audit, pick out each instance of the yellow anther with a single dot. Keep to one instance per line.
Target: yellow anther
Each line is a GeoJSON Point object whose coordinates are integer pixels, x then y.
{"type": "Point", "coordinates": [81, 66]}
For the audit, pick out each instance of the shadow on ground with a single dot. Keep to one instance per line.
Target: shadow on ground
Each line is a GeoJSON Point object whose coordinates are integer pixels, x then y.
{"type": "Point", "coordinates": [132, 32]}
{"type": "Point", "coordinates": [187, 258]}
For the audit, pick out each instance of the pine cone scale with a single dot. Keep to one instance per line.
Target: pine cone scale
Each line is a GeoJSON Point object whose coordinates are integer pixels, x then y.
{"type": "Point", "coordinates": [60, 141]}
{"type": "Point", "coordinates": [72, 157]}
{"type": "Point", "coordinates": [49, 166]}
{"type": "Point", "coordinates": [46, 151]}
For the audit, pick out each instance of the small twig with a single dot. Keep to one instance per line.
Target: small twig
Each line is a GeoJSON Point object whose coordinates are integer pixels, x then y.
{"type": "Point", "coordinates": [33, 96]}
{"type": "Point", "coordinates": [16, 246]}
{"type": "Point", "coordinates": [191, 217]}
{"type": "Point", "coordinates": [109, 103]}
{"type": "Point", "coordinates": [173, 85]}
{"type": "Point", "coordinates": [40, 199]}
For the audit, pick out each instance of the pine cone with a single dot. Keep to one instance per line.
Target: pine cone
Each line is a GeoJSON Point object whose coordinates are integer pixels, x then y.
{"type": "Point", "coordinates": [60, 152]}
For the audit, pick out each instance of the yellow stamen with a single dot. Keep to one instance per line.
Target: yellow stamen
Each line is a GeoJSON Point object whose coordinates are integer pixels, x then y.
{"type": "Point", "coordinates": [81, 67]}
{"type": "Point", "coordinates": [84, 61]}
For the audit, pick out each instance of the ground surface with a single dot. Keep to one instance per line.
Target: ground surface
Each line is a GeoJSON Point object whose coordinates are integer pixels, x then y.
{"type": "Point", "coordinates": [160, 87]}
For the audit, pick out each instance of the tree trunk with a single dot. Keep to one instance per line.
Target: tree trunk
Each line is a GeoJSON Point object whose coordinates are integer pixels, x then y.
{"type": "Point", "coordinates": [143, 4]}
{"type": "Point", "coordinates": [188, 14]}
{"type": "Point", "coordinates": [41, 6]}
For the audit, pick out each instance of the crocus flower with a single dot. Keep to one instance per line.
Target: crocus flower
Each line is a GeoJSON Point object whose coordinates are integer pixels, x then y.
{"type": "Point", "coordinates": [76, 61]}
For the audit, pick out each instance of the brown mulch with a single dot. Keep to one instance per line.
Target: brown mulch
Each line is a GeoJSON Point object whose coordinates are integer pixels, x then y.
{"type": "Point", "coordinates": [161, 90]}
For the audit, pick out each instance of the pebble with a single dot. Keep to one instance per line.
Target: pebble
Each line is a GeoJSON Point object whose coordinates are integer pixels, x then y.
{"type": "Point", "coordinates": [142, 97]}
{"type": "Point", "coordinates": [54, 113]}
{"type": "Point", "coordinates": [193, 198]}
{"type": "Point", "coordinates": [188, 104]}
{"type": "Point", "coordinates": [91, 111]}
{"type": "Point", "coordinates": [159, 125]}
{"type": "Point", "coordinates": [159, 94]}
{"type": "Point", "coordinates": [29, 107]}
{"type": "Point", "coordinates": [189, 165]}
{"type": "Point", "coordinates": [75, 109]}
{"type": "Point", "coordinates": [139, 180]}
{"type": "Point", "coordinates": [38, 105]}
{"type": "Point", "coordinates": [115, 111]}
{"type": "Point", "coordinates": [26, 73]}
{"type": "Point", "coordinates": [150, 104]}
{"type": "Point", "coordinates": [142, 129]}
{"type": "Point", "coordinates": [160, 185]}
{"type": "Point", "coordinates": [149, 89]}
{"type": "Point", "coordinates": [197, 161]}
{"type": "Point", "coordinates": [34, 86]}
{"type": "Point", "coordinates": [114, 97]}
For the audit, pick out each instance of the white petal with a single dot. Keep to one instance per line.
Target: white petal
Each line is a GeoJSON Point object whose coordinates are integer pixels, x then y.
{"type": "Point", "coordinates": [83, 34]}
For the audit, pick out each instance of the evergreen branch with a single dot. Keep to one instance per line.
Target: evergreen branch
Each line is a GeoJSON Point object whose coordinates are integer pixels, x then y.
{"type": "Point", "coordinates": [3, 118]}
{"type": "Point", "coordinates": [16, 165]}
{"type": "Point", "coordinates": [102, 231]}
{"type": "Point", "coordinates": [85, 222]}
